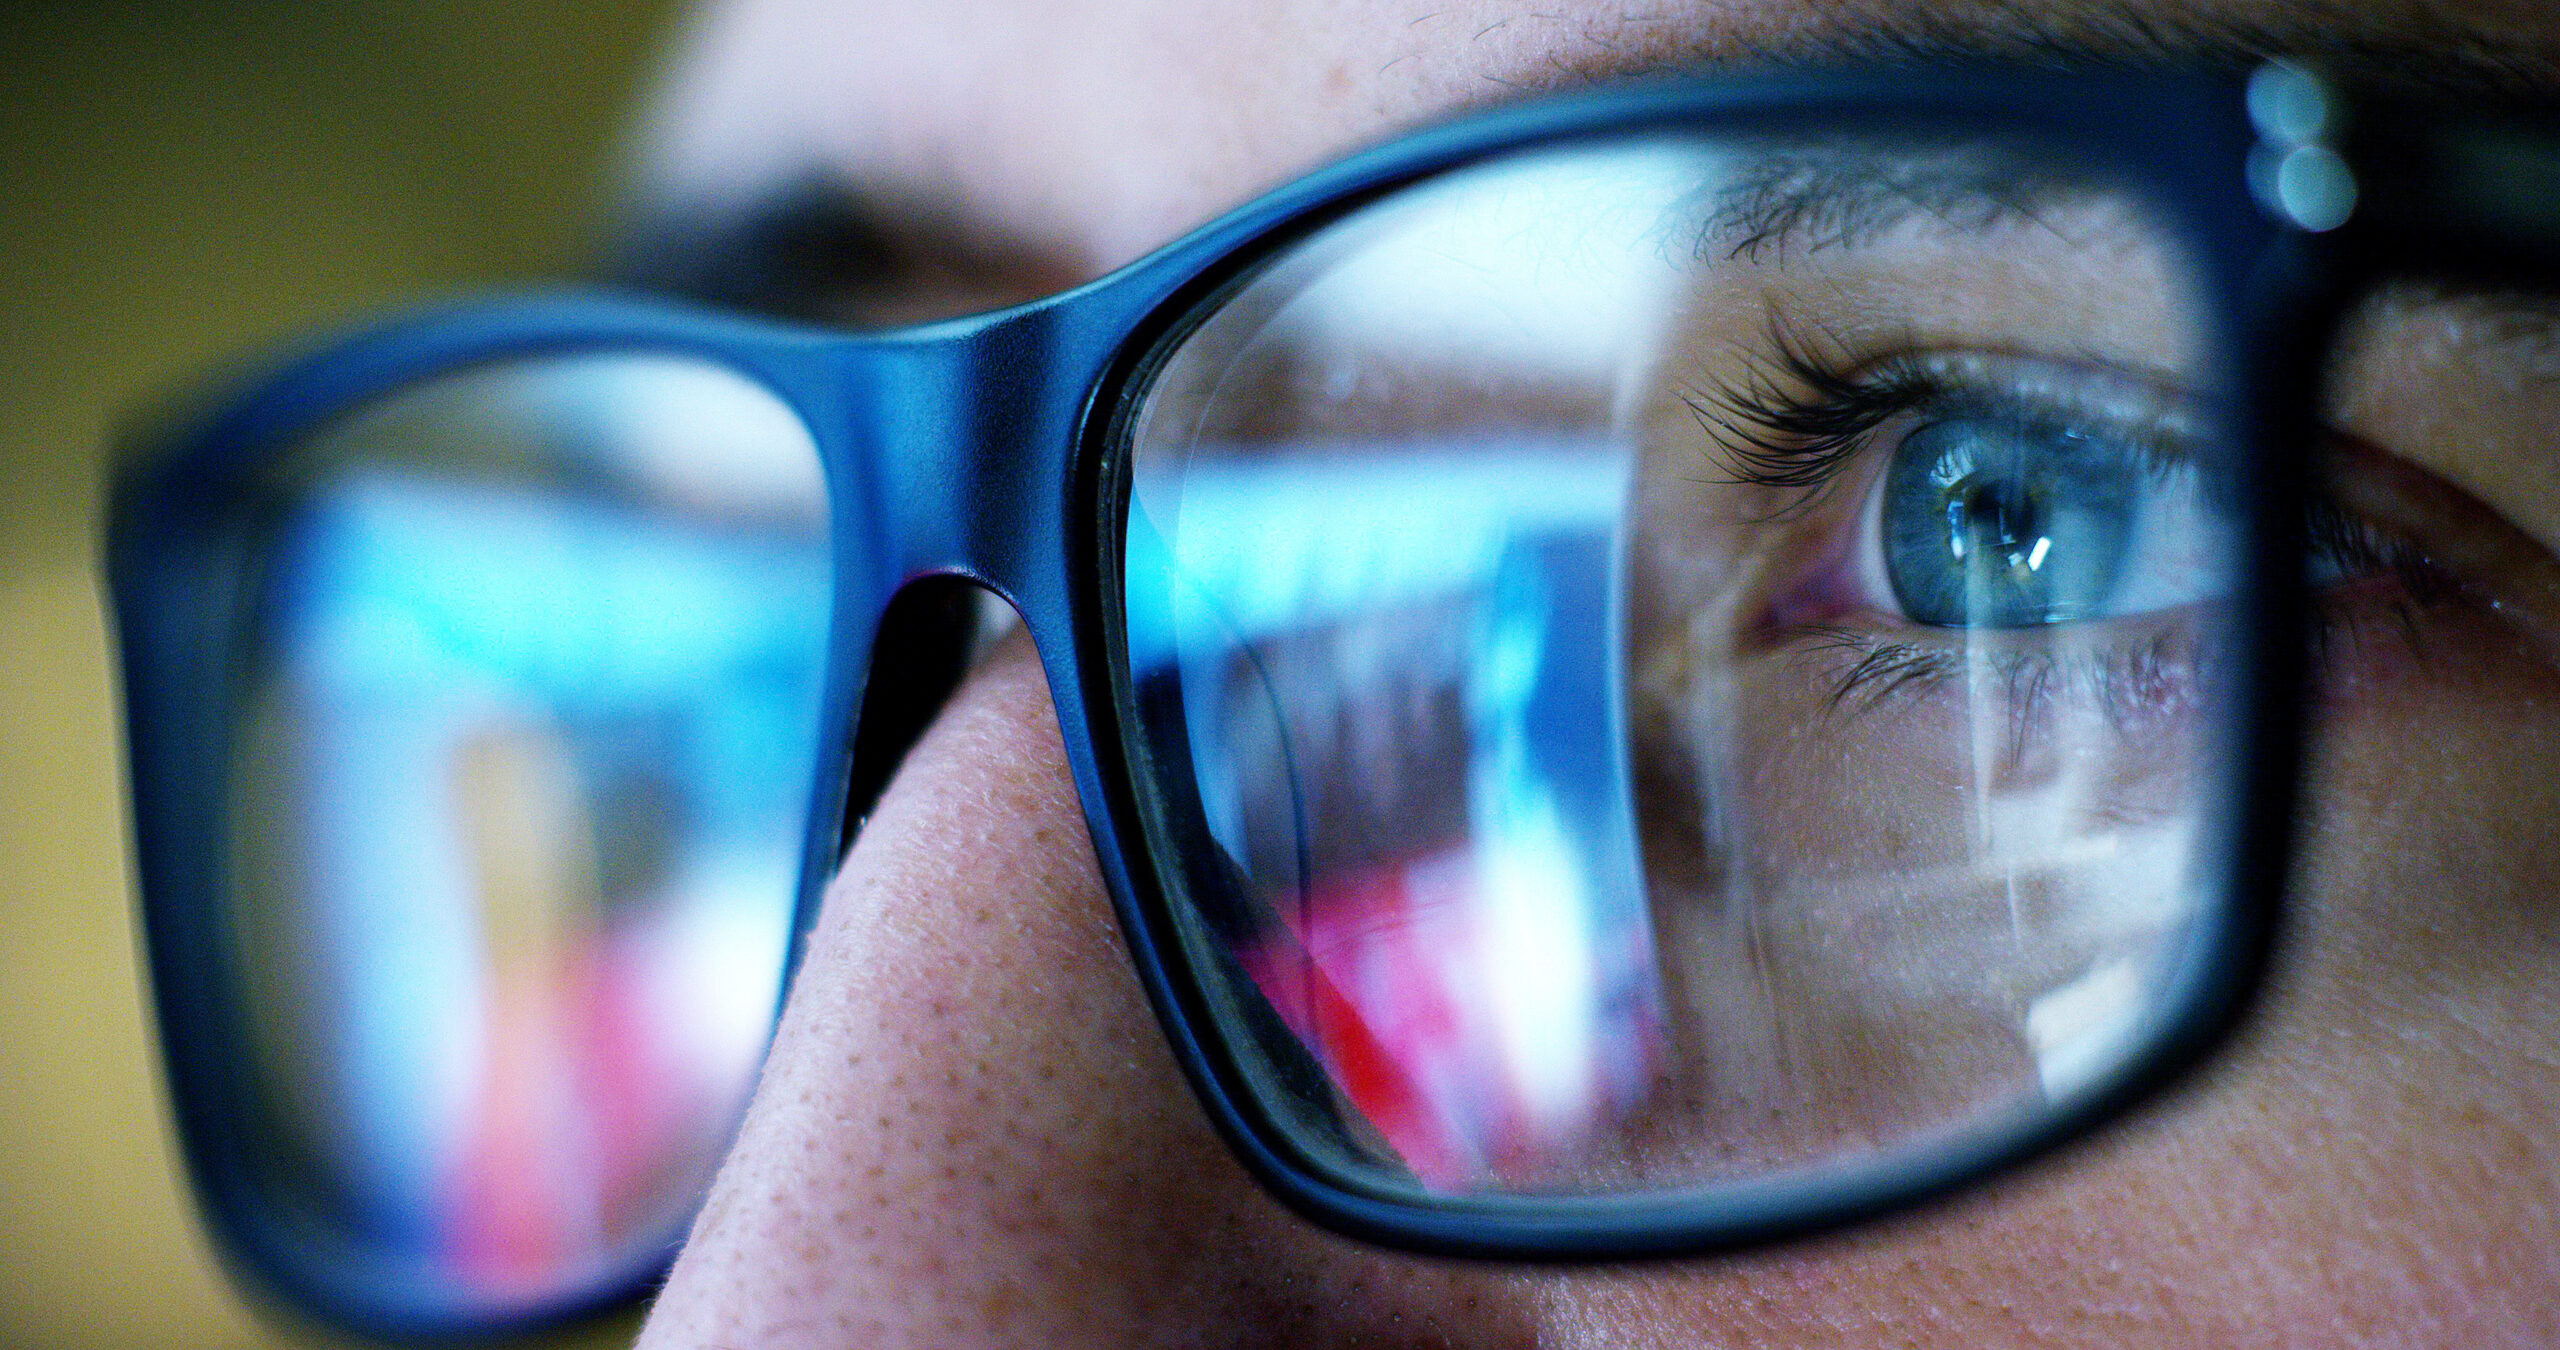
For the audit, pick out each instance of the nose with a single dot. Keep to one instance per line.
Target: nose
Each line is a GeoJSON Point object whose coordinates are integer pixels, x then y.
{"type": "Point", "coordinates": [969, 1131]}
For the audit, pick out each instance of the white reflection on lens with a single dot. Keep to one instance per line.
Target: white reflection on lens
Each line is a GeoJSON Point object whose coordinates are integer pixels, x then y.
{"type": "Point", "coordinates": [524, 790]}
{"type": "Point", "coordinates": [1535, 265]}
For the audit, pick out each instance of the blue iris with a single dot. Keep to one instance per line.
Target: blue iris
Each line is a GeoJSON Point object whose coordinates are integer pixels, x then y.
{"type": "Point", "coordinates": [1999, 522]}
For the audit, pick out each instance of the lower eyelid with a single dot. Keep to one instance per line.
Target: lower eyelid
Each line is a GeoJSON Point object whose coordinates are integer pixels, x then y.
{"type": "Point", "coordinates": [2145, 682]}
{"type": "Point", "coordinates": [2483, 555]}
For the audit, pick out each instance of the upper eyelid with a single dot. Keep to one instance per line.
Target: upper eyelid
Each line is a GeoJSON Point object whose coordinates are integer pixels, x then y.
{"type": "Point", "coordinates": [1836, 412]}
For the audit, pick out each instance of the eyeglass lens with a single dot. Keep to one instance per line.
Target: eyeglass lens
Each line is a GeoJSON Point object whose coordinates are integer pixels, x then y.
{"type": "Point", "coordinates": [518, 801]}
{"type": "Point", "coordinates": [1676, 661]}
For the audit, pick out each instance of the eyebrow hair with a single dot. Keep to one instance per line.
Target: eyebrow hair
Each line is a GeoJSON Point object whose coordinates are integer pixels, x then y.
{"type": "Point", "coordinates": [2407, 51]}
{"type": "Point", "coordinates": [1825, 197]}
{"type": "Point", "coordinates": [818, 250]}
{"type": "Point", "coordinates": [815, 248]}
{"type": "Point", "coordinates": [781, 256]}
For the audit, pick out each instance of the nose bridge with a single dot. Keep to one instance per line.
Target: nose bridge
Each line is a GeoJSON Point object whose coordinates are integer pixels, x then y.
{"type": "Point", "coordinates": [970, 429]}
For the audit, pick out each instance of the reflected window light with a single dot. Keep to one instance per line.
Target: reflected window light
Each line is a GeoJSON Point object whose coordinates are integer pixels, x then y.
{"type": "Point", "coordinates": [551, 850]}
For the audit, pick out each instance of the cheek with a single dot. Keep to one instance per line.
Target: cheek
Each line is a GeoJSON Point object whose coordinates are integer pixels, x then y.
{"type": "Point", "coordinates": [2427, 923]}
{"type": "Point", "coordinates": [2380, 1155]}
{"type": "Point", "coordinates": [2376, 1161]}
{"type": "Point", "coordinates": [969, 1131]}
{"type": "Point", "coordinates": [2378, 1158]}
{"type": "Point", "coordinates": [1903, 882]}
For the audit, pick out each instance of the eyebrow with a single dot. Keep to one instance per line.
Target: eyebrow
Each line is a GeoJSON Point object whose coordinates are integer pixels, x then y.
{"type": "Point", "coordinates": [819, 250]}
{"type": "Point", "coordinates": [816, 248]}
{"type": "Point", "coordinates": [2424, 54]}
{"type": "Point", "coordinates": [1824, 198]}
{"type": "Point", "coordinates": [778, 256]}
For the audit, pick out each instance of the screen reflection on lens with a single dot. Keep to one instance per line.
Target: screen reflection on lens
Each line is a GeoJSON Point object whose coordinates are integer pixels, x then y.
{"type": "Point", "coordinates": [521, 792]}
{"type": "Point", "coordinates": [1695, 657]}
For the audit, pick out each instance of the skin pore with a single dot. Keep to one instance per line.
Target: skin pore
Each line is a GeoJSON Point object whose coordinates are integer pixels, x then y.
{"type": "Point", "coordinates": [969, 1131]}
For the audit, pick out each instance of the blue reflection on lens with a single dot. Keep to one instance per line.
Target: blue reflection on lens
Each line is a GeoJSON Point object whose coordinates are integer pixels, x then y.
{"type": "Point", "coordinates": [615, 708]}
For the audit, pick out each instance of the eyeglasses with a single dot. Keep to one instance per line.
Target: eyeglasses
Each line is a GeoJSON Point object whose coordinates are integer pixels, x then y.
{"type": "Point", "coordinates": [1649, 671]}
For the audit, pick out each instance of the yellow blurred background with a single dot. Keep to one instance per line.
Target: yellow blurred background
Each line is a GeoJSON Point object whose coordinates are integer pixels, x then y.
{"type": "Point", "coordinates": [184, 182]}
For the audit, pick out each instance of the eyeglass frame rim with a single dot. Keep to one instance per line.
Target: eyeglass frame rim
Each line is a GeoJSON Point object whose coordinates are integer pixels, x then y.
{"type": "Point", "coordinates": [979, 528]}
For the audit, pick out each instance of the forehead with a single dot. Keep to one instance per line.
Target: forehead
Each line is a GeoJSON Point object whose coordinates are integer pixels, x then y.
{"type": "Point", "coordinates": [1068, 136]}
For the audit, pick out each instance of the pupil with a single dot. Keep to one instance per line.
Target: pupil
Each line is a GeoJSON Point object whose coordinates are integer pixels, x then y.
{"type": "Point", "coordinates": [1996, 516]}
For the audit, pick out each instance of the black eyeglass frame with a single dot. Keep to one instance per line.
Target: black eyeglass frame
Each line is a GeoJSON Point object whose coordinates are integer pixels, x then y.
{"type": "Point", "coordinates": [990, 451]}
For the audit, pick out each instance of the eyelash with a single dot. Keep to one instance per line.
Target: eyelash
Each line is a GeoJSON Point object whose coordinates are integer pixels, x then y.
{"type": "Point", "coordinates": [2140, 676]}
{"type": "Point", "coordinates": [1796, 422]}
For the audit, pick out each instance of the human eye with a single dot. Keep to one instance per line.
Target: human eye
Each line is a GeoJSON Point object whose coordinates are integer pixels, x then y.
{"type": "Point", "coordinates": [1828, 529]}
{"type": "Point", "coordinates": [1949, 513]}
{"type": "Point", "coordinates": [1991, 501]}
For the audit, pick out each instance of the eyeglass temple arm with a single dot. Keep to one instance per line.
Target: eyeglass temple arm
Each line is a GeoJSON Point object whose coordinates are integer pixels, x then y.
{"type": "Point", "coordinates": [2470, 195]}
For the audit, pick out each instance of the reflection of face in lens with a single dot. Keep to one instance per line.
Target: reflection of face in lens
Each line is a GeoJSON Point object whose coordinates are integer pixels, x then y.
{"type": "Point", "coordinates": [1928, 574]}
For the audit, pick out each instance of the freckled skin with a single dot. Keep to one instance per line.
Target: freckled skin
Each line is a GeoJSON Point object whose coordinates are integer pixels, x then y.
{"type": "Point", "coordinates": [969, 1114]}
{"type": "Point", "coordinates": [969, 1132]}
